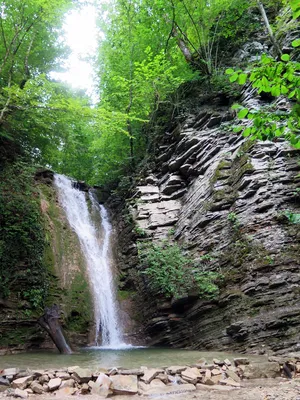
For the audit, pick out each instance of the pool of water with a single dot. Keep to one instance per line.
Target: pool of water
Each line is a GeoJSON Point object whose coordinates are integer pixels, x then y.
{"type": "Point", "coordinates": [94, 358]}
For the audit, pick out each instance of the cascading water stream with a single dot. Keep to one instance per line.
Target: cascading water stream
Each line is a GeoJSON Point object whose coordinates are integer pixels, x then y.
{"type": "Point", "coordinates": [97, 257]}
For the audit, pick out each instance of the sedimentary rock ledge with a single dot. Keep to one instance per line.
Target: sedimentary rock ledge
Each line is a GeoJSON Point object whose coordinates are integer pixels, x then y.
{"type": "Point", "coordinates": [176, 379]}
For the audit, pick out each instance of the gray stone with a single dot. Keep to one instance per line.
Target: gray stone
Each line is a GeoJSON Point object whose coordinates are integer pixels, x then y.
{"type": "Point", "coordinates": [82, 375]}
{"type": "Point", "coordinates": [191, 375]}
{"type": "Point", "coordinates": [233, 375]}
{"type": "Point", "coordinates": [150, 374]}
{"type": "Point", "coordinates": [36, 387]}
{"type": "Point", "coordinates": [20, 393]}
{"type": "Point", "coordinates": [166, 390]}
{"type": "Point", "coordinates": [262, 370]}
{"type": "Point", "coordinates": [85, 389]}
{"type": "Point", "coordinates": [62, 375]}
{"type": "Point", "coordinates": [10, 371]}
{"type": "Point", "coordinates": [156, 382]}
{"type": "Point", "coordinates": [4, 381]}
{"type": "Point", "coordinates": [22, 383]}
{"type": "Point", "coordinates": [176, 369]}
{"type": "Point", "coordinates": [54, 384]}
{"type": "Point", "coordinates": [67, 383]}
{"type": "Point", "coordinates": [44, 379]}
{"type": "Point", "coordinates": [241, 361]}
{"type": "Point", "coordinates": [124, 384]}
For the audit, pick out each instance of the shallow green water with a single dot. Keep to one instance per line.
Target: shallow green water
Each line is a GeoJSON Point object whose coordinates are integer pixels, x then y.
{"type": "Point", "coordinates": [129, 358]}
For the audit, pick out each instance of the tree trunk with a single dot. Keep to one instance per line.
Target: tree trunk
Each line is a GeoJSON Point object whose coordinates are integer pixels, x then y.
{"type": "Point", "coordinates": [268, 27]}
{"type": "Point", "coordinates": [50, 322]}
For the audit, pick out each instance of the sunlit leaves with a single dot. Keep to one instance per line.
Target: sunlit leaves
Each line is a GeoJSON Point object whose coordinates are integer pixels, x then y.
{"type": "Point", "coordinates": [279, 78]}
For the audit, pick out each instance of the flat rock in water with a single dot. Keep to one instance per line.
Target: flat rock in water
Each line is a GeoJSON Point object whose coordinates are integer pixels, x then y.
{"type": "Point", "coordinates": [54, 384]}
{"type": "Point", "coordinates": [124, 384]}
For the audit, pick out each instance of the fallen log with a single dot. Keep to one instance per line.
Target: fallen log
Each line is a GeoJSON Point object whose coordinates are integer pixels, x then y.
{"type": "Point", "coordinates": [50, 322]}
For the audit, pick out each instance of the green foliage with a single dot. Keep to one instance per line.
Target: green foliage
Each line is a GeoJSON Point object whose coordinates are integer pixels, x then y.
{"type": "Point", "coordinates": [292, 217]}
{"type": "Point", "coordinates": [21, 237]}
{"type": "Point", "coordinates": [277, 78]}
{"type": "Point", "coordinates": [173, 274]}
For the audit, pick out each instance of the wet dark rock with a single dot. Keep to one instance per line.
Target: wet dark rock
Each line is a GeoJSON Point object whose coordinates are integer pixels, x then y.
{"type": "Point", "coordinates": [45, 176]}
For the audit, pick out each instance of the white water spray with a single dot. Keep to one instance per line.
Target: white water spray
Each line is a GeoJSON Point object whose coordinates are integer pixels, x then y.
{"type": "Point", "coordinates": [97, 257]}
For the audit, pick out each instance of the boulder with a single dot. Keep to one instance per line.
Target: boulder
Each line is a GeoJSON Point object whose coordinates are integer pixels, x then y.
{"type": "Point", "coordinates": [43, 379]}
{"type": "Point", "coordinates": [3, 382]}
{"type": "Point", "coordinates": [262, 370]}
{"type": "Point", "coordinates": [233, 375]}
{"type": "Point", "coordinates": [156, 382]}
{"type": "Point", "coordinates": [45, 387]}
{"type": "Point", "coordinates": [176, 369]}
{"type": "Point", "coordinates": [191, 375]}
{"type": "Point", "coordinates": [20, 393]}
{"type": "Point", "coordinates": [67, 383]}
{"type": "Point", "coordinates": [163, 377]}
{"type": "Point", "coordinates": [103, 381]}
{"type": "Point", "coordinates": [22, 383]}
{"type": "Point", "coordinates": [150, 374]}
{"type": "Point", "coordinates": [137, 372]}
{"type": "Point", "coordinates": [124, 384]}
{"type": "Point", "coordinates": [54, 384]}
{"type": "Point", "coordinates": [82, 375]}
{"type": "Point", "coordinates": [240, 361]}
{"type": "Point", "coordinates": [10, 371]}
{"type": "Point", "coordinates": [62, 375]}
{"type": "Point", "coordinates": [72, 369]}
{"type": "Point", "coordinates": [85, 389]}
{"type": "Point", "coordinates": [36, 387]}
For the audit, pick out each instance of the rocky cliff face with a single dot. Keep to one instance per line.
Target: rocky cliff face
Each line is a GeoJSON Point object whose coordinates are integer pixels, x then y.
{"type": "Point", "coordinates": [63, 274]}
{"type": "Point", "coordinates": [230, 199]}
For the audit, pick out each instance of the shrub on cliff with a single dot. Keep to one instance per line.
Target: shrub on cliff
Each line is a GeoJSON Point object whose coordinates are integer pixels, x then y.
{"type": "Point", "coordinates": [173, 274]}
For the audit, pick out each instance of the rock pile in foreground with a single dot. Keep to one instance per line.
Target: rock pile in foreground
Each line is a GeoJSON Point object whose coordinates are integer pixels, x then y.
{"type": "Point", "coordinates": [224, 375]}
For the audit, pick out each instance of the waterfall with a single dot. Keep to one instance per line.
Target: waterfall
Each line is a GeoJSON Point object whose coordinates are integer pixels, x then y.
{"type": "Point", "coordinates": [97, 257]}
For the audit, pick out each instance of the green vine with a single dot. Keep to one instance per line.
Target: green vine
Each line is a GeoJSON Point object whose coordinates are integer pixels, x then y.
{"type": "Point", "coordinates": [22, 273]}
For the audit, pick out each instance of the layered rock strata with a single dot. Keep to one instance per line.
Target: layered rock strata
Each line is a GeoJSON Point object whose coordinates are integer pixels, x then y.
{"type": "Point", "coordinates": [230, 200]}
